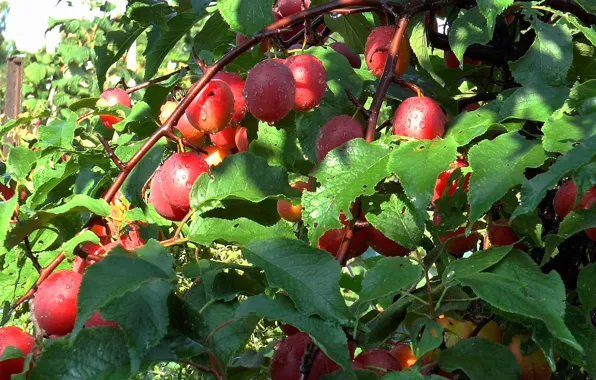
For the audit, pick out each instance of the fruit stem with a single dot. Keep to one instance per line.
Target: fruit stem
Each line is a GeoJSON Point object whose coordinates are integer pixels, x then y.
{"type": "Point", "coordinates": [359, 107]}
{"type": "Point", "coordinates": [408, 85]}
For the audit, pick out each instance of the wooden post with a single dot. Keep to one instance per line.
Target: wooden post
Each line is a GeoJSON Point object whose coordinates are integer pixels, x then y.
{"type": "Point", "coordinates": [12, 106]}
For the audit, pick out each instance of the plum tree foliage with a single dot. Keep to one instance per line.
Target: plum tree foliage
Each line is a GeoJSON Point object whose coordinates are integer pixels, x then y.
{"type": "Point", "coordinates": [348, 189]}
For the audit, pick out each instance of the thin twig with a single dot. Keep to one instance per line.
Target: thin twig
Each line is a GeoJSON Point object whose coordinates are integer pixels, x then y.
{"type": "Point", "coordinates": [363, 111]}
{"type": "Point", "coordinates": [84, 116]}
{"type": "Point", "coordinates": [408, 85]}
{"type": "Point", "coordinates": [119, 164]}
{"type": "Point", "coordinates": [178, 140]}
{"type": "Point", "coordinates": [385, 124]}
{"type": "Point", "coordinates": [157, 80]}
{"type": "Point", "coordinates": [31, 256]}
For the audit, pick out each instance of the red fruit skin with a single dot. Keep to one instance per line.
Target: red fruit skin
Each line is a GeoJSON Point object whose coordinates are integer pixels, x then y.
{"type": "Point", "coordinates": [289, 7]}
{"type": "Point", "coordinates": [285, 364]}
{"type": "Point", "coordinates": [213, 108]}
{"type": "Point", "coordinates": [331, 240]}
{"type": "Point", "coordinates": [460, 245]}
{"type": "Point", "coordinates": [376, 50]}
{"type": "Point", "coordinates": [564, 201]}
{"type": "Point", "coordinates": [55, 303]}
{"type": "Point", "coordinates": [451, 61]}
{"type": "Point", "coordinates": [335, 132]}
{"type": "Point", "coordinates": [180, 171]}
{"type": "Point", "coordinates": [344, 50]}
{"type": "Point", "coordinates": [6, 192]}
{"type": "Point", "coordinates": [110, 98]}
{"type": "Point", "coordinates": [380, 359]}
{"type": "Point", "coordinates": [287, 210]}
{"type": "Point", "coordinates": [236, 84]}
{"type": "Point", "coordinates": [241, 139]}
{"type": "Point", "coordinates": [383, 245]}
{"type": "Point", "coordinates": [322, 365]}
{"type": "Point", "coordinates": [12, 336]}
{"type": "Point", "coordinates": [311, 80]}
{"type": "Point", "coordinates": [193, 135]}
{"type": "Point", "coordinates": [225, 139]}
{"type": "Point", "coordinates": [592, 231]}
{"type": "Point", "coordinates": [420, 118]}
{"type": "Point", "coordinates": [96, 320]}
{"type": "Point", "coordinates": [472, 107]}
{"type": "Point", "coordinates": [270, 91]}
{"type": "Point", "coordinates": [443, 180]}
{"type": "Point", "coordinates": [500, 234]}
{"type": "Point", "coordinates": [159, 201]}
{"type": "Point", "coordinates": [288, 329]}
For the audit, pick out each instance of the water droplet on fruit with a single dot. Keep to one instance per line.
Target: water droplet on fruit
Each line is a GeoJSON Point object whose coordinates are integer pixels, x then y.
{"type": "Point", "coordinates": [270, 123]}
{"type": "Point", "coordinates": [203, 113]}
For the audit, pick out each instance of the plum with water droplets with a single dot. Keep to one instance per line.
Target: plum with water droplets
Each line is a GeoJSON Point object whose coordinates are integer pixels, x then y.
{"type": "Point", "coordinates": [289, 7]}
{"type": "Point", "coordinates": [241, 139]}
{"type": "Point", "coordinates": [213, 108]}
{"type": "Point", "coordinates": [109, 98]}
{"type": "Point", "coordinates": [311, 80]}
{"type": "Point", "coordinates": [376, 51]}
{"type": "Point", "coordinates": [55, 302]}
{"type": "Point", "coordinates": [225, 139]}
{"type": "Point", "coordinates": [236, 84]}
{"type": "Point", "coordinates": [193, 135]}
{"type": "Point", "coordinates": [335, 132]}
{"type": "Point", "coordinates": [12, 336]}
{"type": "Point", "coordinates": [420, 118]}
{"type": "Point", "coordinates": [270, 91]}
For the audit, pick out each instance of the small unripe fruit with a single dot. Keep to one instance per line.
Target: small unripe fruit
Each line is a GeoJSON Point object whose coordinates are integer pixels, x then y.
{"type": "Point", "coordinates": [236, 84]}
{"type": "Point", "coordinates": [376, 51]}
{"type": "Point", "coordinates": [335, 132]}
{"type": "Point", "coordinates": [564, 201]}
{"type": "Point", "coordinates": [241, 139]}
{"type": "Point", "coordinates": [378, 361]}
{"type": "Point", "coordinates": [287, 210]}
{"type": "Point", "coordinates": [311, 80]}
{"type": "Point", "coordinates": [344, 50]}
{"type": "Point", "coordinates": [270, 91]}
{"type": "Point", "coordinates": [213, 108]}
{"type": "Point", "coordinates": [331, 240]}
{"type": "Point", "coordinates": [193, 135]}
{"type": "Point", "coordinates": [214, 155]}
{"type": "Point", "coordinates": [420, 118]}
{"type": "Point", "coordinates": [110, 98]}
{"type": "Point", "coordinates": [289, 7]}
{"type": "Point", "coordinates": [96, 320]}
{"type": "Point", "coordinates": [166, 110]}
{"type": "Point", "coordinates": [12, 336]}
{"type": "Point", "coordinates": [225, 138]}
{"type": "Point", "coordinates": [55, 303]}
{"type": "Point", "coordinates": [463, 244]}
{"type": "Point", "coordinates": [403, 354]}
{"type": "Point", "coordinates": [443, 180]}
{"type": "Point", "coordinates": [383, 245]}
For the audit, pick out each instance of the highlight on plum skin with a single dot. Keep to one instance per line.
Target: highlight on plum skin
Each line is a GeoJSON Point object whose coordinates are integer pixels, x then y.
{"type": "Point", "coordinates": [310, 78]}
{"type": "Point", "coordinates": [213, 108]}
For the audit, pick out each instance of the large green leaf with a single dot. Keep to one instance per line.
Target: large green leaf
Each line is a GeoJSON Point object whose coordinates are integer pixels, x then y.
{"type": "Point", "coordinates": [98, 353]}
{"type": "Point", "coordinates": [517, 285]}
{"type": "Point", "coordinates": [327, 335]}
{"type": "Point", "coordinates": [353, 28]}
{"type": "Point", "coordinates": [246, 17]}
{"type": "Point", "coordinates": [549, 58]}
{"type": "Point", "coordinates": [480, 359]}
{"type": "Point", "coordinates": [535, 189]}
{"type": "Point", "coordinates": [140, 121]}
{"type": "Point", "coordinates": [574, 223]}
{"type": "Point", "coordinates": [468, 125]}
{"type": "Point", "coordinates": [215, 33]}
{"type": "Point", "coordinates": [476, 263]}
{"type": "Point", "coordinates": [20, 161]}
{"type": "Point", "coordinates": [58, 133]}
{"type": "Point", "coordinates": [469, 28]}
{"type": "Point", "coordinates": [420, 47]}
{"type": "Point", "coordinates": [534, 102]}
{"type": "Point", "coordinates": [498, 165]}
{"type": "Point", "coordinates": [242, 231]}
{"type": "Point", "coordinates": [492, 8]}
{"type": "Point", "coordinates": [276, 144]}
{"type": "Point", "coordinates": [388, 277]}
{"type": "Point", "coordinates": [340, 74]}
{"type": "Point", "coordinates": [428, 158]}
{"type": "Point", "coordinates": [241, 176]}
{"type": "Point", "coordinates": [582, 97]}
{"type": "Point", "coordinates": [560, 135]}
{"type": "Point", "coordinates": [396, 218]}
{"type": "Point", "coordinates": [586, 287]}
{"type": "Point", "coordinates": [351, 170]}
{"type": "Point", "coordinates": [584, 331]}
{"type": "Point", "coordinates": [7, 209]}
{"type": "Point", "coordinates": [309, 276]}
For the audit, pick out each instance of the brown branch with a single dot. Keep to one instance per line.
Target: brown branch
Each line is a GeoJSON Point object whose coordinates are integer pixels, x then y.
{"type": "Point", "coordinates": [84, 116]}
{"type": "Point", "coordinates": [408, 85]}
{"type": "Point", "coordinates": [201, 368]}
{"type": "Point", "coordinates": [179, 140]}
{"type": "Point", "coordinates": [31, 256]}
{"type": "Point", "coordinates": [363, 111]}
{"type": "Point", "coordinates": [198, 60]}
{"type": "Point", "coordinates": [119, 164]}
{"type": "Point", "coordinates": [385, 124]}
{"type": "Point", "coordinates": [153, 81]}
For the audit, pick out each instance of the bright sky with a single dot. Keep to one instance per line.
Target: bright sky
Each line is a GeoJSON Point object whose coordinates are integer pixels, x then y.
{"type": "Point", "coordinates": [28, 20]}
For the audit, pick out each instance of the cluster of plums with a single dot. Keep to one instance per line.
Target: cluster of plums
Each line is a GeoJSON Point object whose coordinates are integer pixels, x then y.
{"type": "Point", "coordinates": [289, 353]}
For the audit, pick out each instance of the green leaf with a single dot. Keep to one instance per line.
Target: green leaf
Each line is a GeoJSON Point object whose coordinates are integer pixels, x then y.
{"type": "Point", "coordinates": [157, 51]}
{"type": "Point", "coordinates": [240, 176]}
{"type": "Point", "coordinates": [117, 42]}
{"type": "Point", "coordinates": [292, 265]}
{"type": "Point", "coordinates": [574, 223]}
{"type": "Point", "coordinates": [420, 47]}
{"type": "Point", "coordinates": [78, 204]}
{"type": "Point", "coordinates": [241, 231]}
{"type": "Point", "coordinates": [328, 336]}
{"type": "Point", "coordinates": [430, 158]}
{"type": "Point", "coordinates": [388, 277]}
{"type": "Point", "coordinates": [396, 218]}
{"type": "Point", "coordinates": [560, 135]}
{"type": "Point", "coordinates": [427, 335]}
{"type": "Point", "coordinates": [116, 276]}
{"type": "Point", "coordinates": [353, 28]}
{"type": "Point", "coordinates": [58, 133]}
{"type": "Point", "coordinates": [468, 125]}
{"type": "Point", "coordinates": [478, 262]}
{"type": "Point", "coordinates": [276, 144]}
{"type": "Point", "coordinates": [517, 285]}
{"type": "Point", "coordinates": [585, 333]}
{"type": "Point", "coordinates": [535, 189]}
{"type": "Point", "coordinates": [534, 102]}
{"type": "Point", "coordinates": [139, 121]}
{"type": "Point", "coordinates": [549, 58]}
{"type": "Point", "coordinates": [246, 17]}
{"type": "Point", "coordinates": [586, 287]}
{"type": "Point", "coordinates": [340, 74]}
{"type": "Point", "coordinates": [588, 5]}
{"type": "Point", "coordinates": [20, 161]}
{"type": "Point", "coordinates": [581, 98]}
{"type": "Point", "coordinates": [492, 8]}
{"type": "Point", "coordinates": [480, 359]}
{"type": "Point", "coordinates": [351, 170]}
{"type": "Point", "coordinates": [7, 209]}
{"type": "Point", "coordinates": [385, 323]}
{"type": "Point", "coordinates": [410, 375]}
{"type": "Point", "coordinates": [98, 353]}
{"type": "Point", "coordinates": [469, 28]}
{"type": "Point", "coordinates": [498, 165]}
{"type": "Point", "coordinates": [215, 33]}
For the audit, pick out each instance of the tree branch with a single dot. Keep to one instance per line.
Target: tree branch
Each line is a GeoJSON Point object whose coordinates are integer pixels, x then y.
{"type": "Point", "coordinates": [153, 81]}
{"type": "Point", "coordinates": [31, 256]}
{"type": "Point", "coordinates": [357, 104]}
{"type": "Point", "coordinates": [119, 164]}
